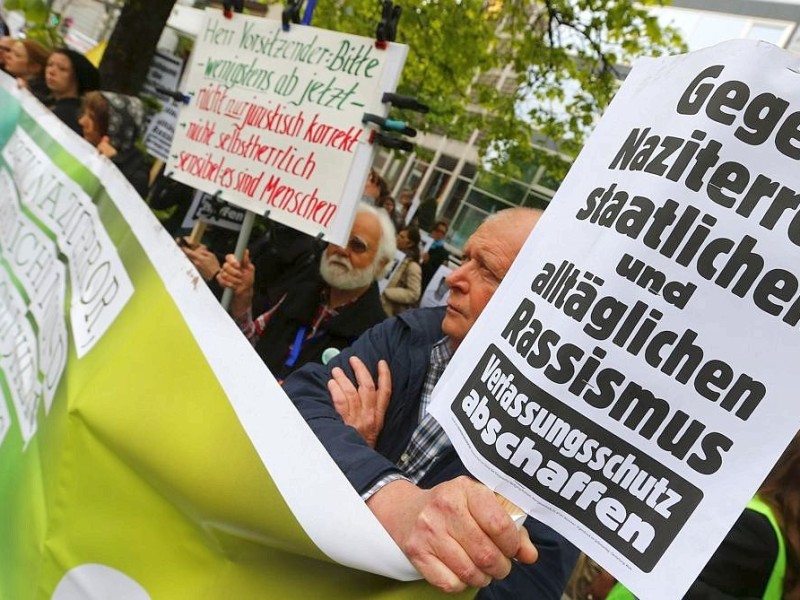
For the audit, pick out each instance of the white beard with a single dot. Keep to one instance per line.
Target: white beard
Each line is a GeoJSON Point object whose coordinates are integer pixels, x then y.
{"type": "Point", "coordinates": [338, 272]}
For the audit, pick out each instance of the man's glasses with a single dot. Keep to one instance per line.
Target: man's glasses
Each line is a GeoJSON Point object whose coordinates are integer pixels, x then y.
{"type": "Point", "coordinates": [357, 246]}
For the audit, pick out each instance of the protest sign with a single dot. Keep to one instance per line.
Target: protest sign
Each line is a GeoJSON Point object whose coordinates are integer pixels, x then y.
{"type": "Point", "coordinates": [145, 450]}
{"type": "Point", "coordinates": [208, 209]}
{"type": "Point", "coordinates": [399, 257]}
{"type": "Point", "coordinates": [160, 131]}
{"type": "Point", "coordinates": [631, 382]}
{"type": "Point", "coordinates": [437, 292]}
{"type": "Point", "coordinates": [164, 73]}
{"type": "Point", "coordinates": [275, 120]}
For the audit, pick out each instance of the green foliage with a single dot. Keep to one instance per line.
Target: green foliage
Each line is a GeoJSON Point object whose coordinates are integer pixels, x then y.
{"type": "Point", "coordinates": [564, 57]}
{"type": "Point", "coordinates": [40, 24]}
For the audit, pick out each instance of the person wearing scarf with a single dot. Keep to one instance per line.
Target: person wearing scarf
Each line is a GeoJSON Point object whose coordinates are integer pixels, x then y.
{"type": "Point", "coordinates": [113, 122]}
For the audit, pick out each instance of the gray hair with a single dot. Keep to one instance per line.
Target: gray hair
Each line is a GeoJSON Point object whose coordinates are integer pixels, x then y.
{"type": "Point", "coordinates": [388, 245]}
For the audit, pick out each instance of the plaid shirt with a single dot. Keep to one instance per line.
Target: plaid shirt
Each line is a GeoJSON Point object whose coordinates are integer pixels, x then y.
{"type": "Point", "coordinates": [429, 439]}
{"type": "Point", "coordinates": [252, 328]}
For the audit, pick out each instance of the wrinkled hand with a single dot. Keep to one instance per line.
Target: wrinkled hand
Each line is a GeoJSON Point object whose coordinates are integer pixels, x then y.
{"type": "Point", "coordinates": [239, 276]}
{"type": "Point", "coordinates": [105, 148]}
{"type": "Point", "coordinates": [456, 534]}
{"type": "Point", "coordinates": [362, 408]}
{"type": "Point", "coordinates": [205, 261]}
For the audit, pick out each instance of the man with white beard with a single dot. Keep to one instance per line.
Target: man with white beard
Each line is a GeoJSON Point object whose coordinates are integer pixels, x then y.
{"type": "Point", "coordinates": [315, 319]}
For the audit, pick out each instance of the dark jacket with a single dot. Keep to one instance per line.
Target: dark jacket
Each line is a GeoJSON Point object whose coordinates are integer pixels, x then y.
{"type": "Point", "coordinates": [297, 313]}
{"type": "Point", "coordinates": [742, 565]}
{"type": "Point", "coordinates": [133, 165]}
{"type": "Point", "coordinates": [284, 258]}
{"type": "Point", "coordinates": [405, 342]}
{"type": "Point", "coordinates": [69, 111]}
{"type": "Point", "coordinates": [38, 87]}
{"type": "Point", "coordinates": [437, 256]}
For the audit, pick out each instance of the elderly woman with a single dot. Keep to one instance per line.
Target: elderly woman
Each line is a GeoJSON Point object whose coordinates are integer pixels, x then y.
{"type": "Point", "coordinates": [69, 75]}
{"type": "Point", "coordinates": [112, 123]}
{"type": "Point", "coordinates": [27, 61]}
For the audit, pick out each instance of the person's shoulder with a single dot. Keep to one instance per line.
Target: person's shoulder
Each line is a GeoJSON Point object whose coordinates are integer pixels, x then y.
{"type": "Point", "coordinates": [66, 103]}
{"type": "Point", "coordinates": [365, 312]}
{"type": "Point", "coordinates": [38, 87]}
{"type": "Point", "coordinates": [135, 166]}
{"type": "Point", "coordinates": [68, 111]}
{"type": "Point", "coordinates": [411, 330]}
{"type": "Point", "coordinates": [755, 530]}
{"type": "Point", "coordinates": [427, 321]}
{"type": "Point", "coordinates": [132, 158]}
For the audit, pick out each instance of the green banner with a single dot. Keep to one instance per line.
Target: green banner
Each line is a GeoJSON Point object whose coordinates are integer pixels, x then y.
{"type": "Point", "coordinates": [144, 449]}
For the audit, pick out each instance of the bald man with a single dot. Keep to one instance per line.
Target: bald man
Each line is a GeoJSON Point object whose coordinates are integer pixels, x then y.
{"type": "Point", "coordinates": [398, 458]}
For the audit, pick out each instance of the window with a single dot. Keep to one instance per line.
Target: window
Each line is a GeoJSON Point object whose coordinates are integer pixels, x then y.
{"type": "Point", "coordinates": [701, 29]}
{"type": "Point", "coordinates": [774, 34]}
{"type": "Point", "coordinates": [465, 224]}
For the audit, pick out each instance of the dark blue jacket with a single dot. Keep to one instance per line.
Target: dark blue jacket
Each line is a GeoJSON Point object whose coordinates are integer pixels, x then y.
{"type": "Point", "coordinates": [405, 342]}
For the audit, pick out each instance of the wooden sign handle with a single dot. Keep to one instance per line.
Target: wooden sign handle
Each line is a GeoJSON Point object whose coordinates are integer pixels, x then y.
{"type": "Point", "coordinates": [514, 511]}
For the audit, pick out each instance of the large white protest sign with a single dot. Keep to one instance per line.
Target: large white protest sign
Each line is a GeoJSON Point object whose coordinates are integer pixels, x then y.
{"type": "Point", "coordinates": [40, 198]}
{"type": "Point", "coordinates": [127, 398]}
{"type": "Point", "coordinates": [632, 381]}
{"type": "Point", "coordinates": [275, 121]}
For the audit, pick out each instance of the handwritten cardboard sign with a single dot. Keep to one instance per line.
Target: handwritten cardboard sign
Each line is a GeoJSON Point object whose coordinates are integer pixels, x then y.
{"type": "Point", "coordinates": [631, 382]}
{"type": "Point", "coordinates": [275, 119]}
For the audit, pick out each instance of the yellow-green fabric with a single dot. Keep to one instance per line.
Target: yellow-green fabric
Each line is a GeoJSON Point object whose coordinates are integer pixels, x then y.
{"type": "Point", "coordinates": [774, 590]}
{"type": "Point", "coordinates": [138, 470]}
{"type": "Point", "coordinates": [620, 592]}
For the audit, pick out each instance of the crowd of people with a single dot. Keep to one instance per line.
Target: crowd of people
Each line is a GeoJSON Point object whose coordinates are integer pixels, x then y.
{"type": "Point", "coordinates": [66, 82]}
{"type": "Point", "coordinates": [365, 395]}
{"type": "Point", "coordinates": [360, 365]}
{"type": "Point", "coordinates": [298, 302]}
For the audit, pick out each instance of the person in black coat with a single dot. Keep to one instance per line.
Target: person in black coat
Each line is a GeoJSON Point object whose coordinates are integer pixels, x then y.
{"type": "Point", "coordinates": [69, 75]}
{"type": "Point", "coordinates": [113, 123]}
{"type": "Point", "coordinates": [436, 255]}
{"type": "Point", "coordinates": [315, 318]}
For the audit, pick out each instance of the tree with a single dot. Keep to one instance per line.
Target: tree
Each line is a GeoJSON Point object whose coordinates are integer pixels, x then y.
{"type": "Point", "coordinates": [38, 23]}
{"type": "Point", "coordinates": [563, 59]}
{"type": "Point", "coordinates": [132, 45]}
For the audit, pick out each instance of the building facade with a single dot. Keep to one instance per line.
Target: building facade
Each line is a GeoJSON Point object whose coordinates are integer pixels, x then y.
{"type": "Point", "coordinates": [466, 194]}
{"type": "Point", "coordinates": [449, 170]}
